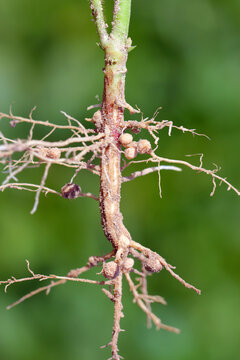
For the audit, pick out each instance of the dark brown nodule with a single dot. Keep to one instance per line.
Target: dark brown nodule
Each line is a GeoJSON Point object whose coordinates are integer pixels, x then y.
{"type": "Point", "coordinates": [71, 191]}
{"type": "Point", "coordinates": [152, 264]}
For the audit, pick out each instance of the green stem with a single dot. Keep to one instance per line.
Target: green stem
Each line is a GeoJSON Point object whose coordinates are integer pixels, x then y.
{"type": "Point", "coordinates": [97, 12]}
{"type": "Point", "coordinates": [121, 19]}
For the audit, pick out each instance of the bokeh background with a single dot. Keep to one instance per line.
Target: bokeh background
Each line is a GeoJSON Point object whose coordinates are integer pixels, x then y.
{"type": "Point", "coordinates": [187, 60]}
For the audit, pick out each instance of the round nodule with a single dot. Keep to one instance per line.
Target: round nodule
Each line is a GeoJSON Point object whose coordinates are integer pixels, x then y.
{"type": "Point", "coordinates": [71, 191]}
{"type": "Point", "coordinates": [110, 270]}
{"type": "Point", "coordinates": [152, 264]}
{"type": "Point", "coordinates": [125, 139]}
{"type": "Point", "coordinates": [128, 264]}
{"type": "Point", "coordinates": [144, 146]}
{"type": "Point", "coordinates": [130, 153]}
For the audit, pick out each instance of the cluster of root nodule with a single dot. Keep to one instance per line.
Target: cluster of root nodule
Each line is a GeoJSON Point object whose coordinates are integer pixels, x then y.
{"type": "Point", "coordinates": [133, 148]}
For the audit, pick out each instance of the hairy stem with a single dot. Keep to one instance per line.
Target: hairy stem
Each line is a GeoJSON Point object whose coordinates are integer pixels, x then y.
{"type": "Point", "coordinates": [97, 12]}
{"type": "Point", "coordinates": [112, 117]}
{"type": "Point", "coordinates": [121, 18]}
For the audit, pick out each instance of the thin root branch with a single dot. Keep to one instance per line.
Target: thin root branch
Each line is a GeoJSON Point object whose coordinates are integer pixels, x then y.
{"type": "Point", "coordinates": [72, 276]}
{"type": "Point", "coordinates": [143, 284]}
{"type": "Point", "coordinates": [157, 322]}
{"type": "Point", "coordinates": [44, 178]}
{"type": "Point", "coordinates": [155, 158]}
{"type": "Point", "coordinates": [117, 315]}
{"type": "Point", "coordinates": [147, 252]}
{"type": "Point", "coordinates": [149, 171]}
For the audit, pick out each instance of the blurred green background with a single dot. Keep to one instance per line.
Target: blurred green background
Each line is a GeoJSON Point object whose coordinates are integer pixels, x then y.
{"type": "Point", "coordinates": [188, 61]}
